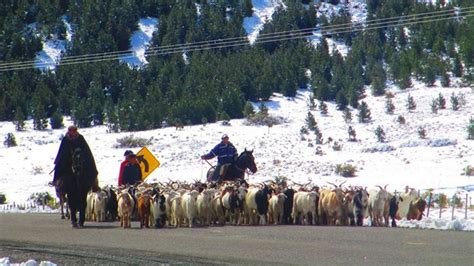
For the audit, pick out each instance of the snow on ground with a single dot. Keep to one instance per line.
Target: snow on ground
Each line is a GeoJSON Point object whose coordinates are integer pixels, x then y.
{"type": "Point", "coordinates": [357, 9]}
{"type": "Point", "coordinates": [6, 262]}
{"type": "Point", "coordinates": [53, 49]}
{"type": "Point", "coordinates": [435, 163]}
{"type": "Point", "coordinates": [262, 13]}
{"type": "Point", "coordinates": [47, 58]}
{"type": "Point", "coordinates": [139, 42]}
{"type": "Point", "coordinates": [434, 2]}
{"type": "Point", "coordinates": [358, 12]}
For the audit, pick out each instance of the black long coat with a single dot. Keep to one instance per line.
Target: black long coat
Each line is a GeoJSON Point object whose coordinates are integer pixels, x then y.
{"type": "Point", "coordinates": [63, 161]}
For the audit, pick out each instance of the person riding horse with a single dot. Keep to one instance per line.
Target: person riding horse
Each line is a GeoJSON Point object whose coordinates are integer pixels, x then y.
{"type": "Point", "coordinates": [226, 154]}
{"type": "Point", "coordinates": [72, 143]}
{"type": "Point", "coordinates": [75, 173]}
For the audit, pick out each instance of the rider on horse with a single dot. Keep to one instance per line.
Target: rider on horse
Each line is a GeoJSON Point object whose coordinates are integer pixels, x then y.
{"type": "Point", "coordinates": [71, 143]}
{"type": "Point", "coordinates": [226, 154]}
{"type": "Point", "coordinates": [75, 173]}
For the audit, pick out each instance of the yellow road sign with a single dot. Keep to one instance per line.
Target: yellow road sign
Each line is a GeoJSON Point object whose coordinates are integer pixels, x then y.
{"type": "Point", "coordinates": [147, 161]}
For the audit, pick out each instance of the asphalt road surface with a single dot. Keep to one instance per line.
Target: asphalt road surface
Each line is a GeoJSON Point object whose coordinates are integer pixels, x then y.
{"type": "Point", "coordinates": [46, 237]}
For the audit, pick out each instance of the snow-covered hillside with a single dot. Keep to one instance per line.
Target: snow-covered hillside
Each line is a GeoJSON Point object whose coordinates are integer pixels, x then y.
{"type": "Point", "coordinates": [140, 41]}
{"type": "Point", "coordinates": [435, 163]}
{"type": "Point", "coordinates": [262, 13]}
{"type": "Point", "coordinates": [53, 49]}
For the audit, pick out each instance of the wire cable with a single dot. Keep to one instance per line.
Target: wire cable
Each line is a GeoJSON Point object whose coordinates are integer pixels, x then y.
{"type": "Point", "coordinates": [230, 41]}
{"type": "Point", "coordinates": [262, 38]}
{"type": "Point", "coordinates": [219, 45]}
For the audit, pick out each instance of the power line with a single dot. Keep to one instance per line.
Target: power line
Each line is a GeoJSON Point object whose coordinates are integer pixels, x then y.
{"type": "Point", "coordinates": [105, 55]}
{"type": "Point", "coordinates": [113, 55]}
{"type": "Point", "coordinates": [230, 42]}
{"type": "Point", "coordinates": [216, 44]}
{"type": "Point", "coordinates": [262, 38]}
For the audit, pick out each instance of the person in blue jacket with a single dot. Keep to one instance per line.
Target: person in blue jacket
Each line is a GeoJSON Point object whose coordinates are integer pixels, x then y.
{"type": "Point", "coordinates": [225, 152]}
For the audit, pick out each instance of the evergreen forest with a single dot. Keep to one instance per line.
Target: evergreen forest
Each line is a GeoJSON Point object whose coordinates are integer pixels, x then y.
{"type": "Point", "coordinates": [214, 84]}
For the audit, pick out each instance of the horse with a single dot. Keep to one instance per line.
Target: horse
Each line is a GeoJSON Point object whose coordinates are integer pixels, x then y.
{"type": "Point", "coordinates": [77, 183]}
{"type": "Point", "coordinates": [236, 171]}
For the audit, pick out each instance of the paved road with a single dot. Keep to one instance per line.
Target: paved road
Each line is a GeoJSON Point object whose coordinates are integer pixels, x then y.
{"type": "Point", "coordinates": [46, 237]}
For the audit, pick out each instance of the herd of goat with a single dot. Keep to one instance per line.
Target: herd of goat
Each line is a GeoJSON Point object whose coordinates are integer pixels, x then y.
{"type": "Point", "coordinates": [182, 204]}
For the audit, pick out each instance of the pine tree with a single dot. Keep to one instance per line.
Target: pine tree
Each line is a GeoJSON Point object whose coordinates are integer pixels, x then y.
{"type": "Point", "coordinates": [263, 109]}
{"type": "Point", "coordinates": [352, 134]}
{"type": "Point", "coordinates": [310, 121]}
{"type": "Point", "coordinates": [389, 106]}
{"type": "Point", "coordinates": [445, 80]}
{"type": "Point", "coordinates": [378, 79]}
{"type": "Point", "coordinates": [323, 108]}
{"type": "Point", "coordinates": [421, 132]}
{"type": "Point", "coordinates": [96, 101]}
{"type": "Point", "coordinates": [19, 120]}
{"type": "Point", "coordinates": [265, 83]}
{"type": "Point", "coordinates": [304, 130]}
{"type": "Point", "coordinates": [40, 121]}
{"type": "Point", "coordinates": [434, 106]}
{"type": "Point", "coordinates": [347, 115]}
{"type": "Point", "coordinates": [233, 102]}
{"type": "Point", "coordinates": [341, 100]}
{"type": "Point", "coordinates": [401, 120]}
{"type": "Point", "coordinates": [454, 102]}
{"type": "Point", "coordinates": [56, 120]}
{"type": "Point", "coordinates": [470, 129]}
{"type": "Point", "coordinates": [441, 101]}
{"type": "Point", "coordinates": [311, 103]}
{"type": "Point", "coordinates": [40, 101]}
{"type": "Point", "coordinates": [223, 116]}
{"type": "Point", "coordinates": [403, 76]}
{"type": "Point", "coordinates": [10, 140]}
{"type": "Point", "coordinates": [248, 110]}
{"type": "Point", "coordinates": [318, 135]}
{"type": "Point", "coordinates": [380, 133]}
{"type": "Point", "coordinates": [111, 117]}
{"type": "Point", "coordinates": [438, 46]}
{"type": "Point", "coordinates": [411, 105]}
{"type": "Point", "coordinates": [247, 8]}
{"type": "Point", "coordinates": [80, 115]}
{"type": "Point", "coordinates": [364, 113]}
{"type": "Point", "coordinates": [429, 73]}
{"type": "Point", "coordinates": [457, 67]}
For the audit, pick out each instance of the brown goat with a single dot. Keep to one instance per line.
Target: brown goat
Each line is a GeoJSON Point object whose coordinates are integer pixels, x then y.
{"type": "Point", "coordinates": [144, 208]}
{"type": "Point", "coordinates": [416, 210]}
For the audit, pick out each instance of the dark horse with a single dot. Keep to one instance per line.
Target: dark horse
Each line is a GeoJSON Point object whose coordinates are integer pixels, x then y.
{"type": "Point", "coordinates": [77, 183]}
{"type": "Point", "coordinates": [236, 171]}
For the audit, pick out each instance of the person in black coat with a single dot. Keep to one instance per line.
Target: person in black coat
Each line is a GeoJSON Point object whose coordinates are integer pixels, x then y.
{"type": "Point", "coordinates": [132, 173]}
{"type": "Point", "coordinates": [74, 144]}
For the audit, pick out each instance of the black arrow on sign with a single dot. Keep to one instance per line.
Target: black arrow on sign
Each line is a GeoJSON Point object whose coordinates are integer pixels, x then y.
{"type": "Point", "coordinates": [140, 159]}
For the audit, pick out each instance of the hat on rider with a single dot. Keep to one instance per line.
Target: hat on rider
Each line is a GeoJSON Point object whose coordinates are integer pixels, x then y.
{"type": "Point", "coordinates": [225, 136]}
{"type": "Point", "coordinates": [127, 152]}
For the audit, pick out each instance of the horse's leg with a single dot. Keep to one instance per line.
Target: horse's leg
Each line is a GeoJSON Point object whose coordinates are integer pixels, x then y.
{"type": "Point", "coordinates": [68, 215]}
{"type": "Point", "coordinates": [59, 194]}
{"type": "Point", "coordinates": [61, 207]}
